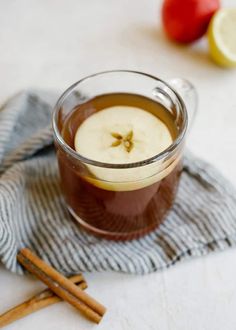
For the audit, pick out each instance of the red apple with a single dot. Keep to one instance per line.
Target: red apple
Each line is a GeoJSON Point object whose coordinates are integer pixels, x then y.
{"type": "Point", "coordinates": [187, 20]}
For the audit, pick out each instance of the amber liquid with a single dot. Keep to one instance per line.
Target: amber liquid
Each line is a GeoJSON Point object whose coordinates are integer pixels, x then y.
{"type": "Point", "coordinates": [119, 215]}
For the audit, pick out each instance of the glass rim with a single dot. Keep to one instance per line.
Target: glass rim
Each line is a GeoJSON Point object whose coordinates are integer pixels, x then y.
{"type": "Point", "coordinates": [160, 156]}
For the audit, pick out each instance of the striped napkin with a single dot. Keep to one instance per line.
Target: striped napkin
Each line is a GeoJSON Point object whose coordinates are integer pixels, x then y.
{"type": "Point", "coordinates": [33, 214]}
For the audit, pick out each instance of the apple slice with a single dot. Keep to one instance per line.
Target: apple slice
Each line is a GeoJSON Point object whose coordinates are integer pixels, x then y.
{"type": "Point", "coordinates": [123, 135]}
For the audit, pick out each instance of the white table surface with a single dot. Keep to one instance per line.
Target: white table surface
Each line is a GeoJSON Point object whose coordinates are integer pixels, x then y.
{"type": "Point", "coordinates": [51, 44]}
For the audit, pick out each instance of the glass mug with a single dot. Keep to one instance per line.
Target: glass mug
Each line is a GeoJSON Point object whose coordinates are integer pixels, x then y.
{"type": "Point", "coordinates": [121, 201]}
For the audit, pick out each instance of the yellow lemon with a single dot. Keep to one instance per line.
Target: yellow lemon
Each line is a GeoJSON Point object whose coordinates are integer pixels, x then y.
{"type": "Point", "coordinates": [222, 37]}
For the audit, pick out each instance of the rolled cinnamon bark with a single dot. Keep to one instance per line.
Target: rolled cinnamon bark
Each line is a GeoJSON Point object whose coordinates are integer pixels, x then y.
{"type": "Point", "coordinates": [61, 286]}
{"type": "Point", "coordinates": [39, 301]}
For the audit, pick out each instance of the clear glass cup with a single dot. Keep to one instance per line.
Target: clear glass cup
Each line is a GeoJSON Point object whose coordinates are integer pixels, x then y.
{"type": "Point", "coordinates": [111, 208]}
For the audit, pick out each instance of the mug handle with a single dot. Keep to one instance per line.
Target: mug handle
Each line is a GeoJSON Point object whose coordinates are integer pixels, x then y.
{"type": "Point", "coordinates": [189, 95]}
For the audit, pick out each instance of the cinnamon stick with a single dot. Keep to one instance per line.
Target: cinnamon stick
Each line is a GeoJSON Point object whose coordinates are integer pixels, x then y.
{"type": "Point", "coordinates": [39, 301]}
{"type": "Point", "coordinates": [61, 286]}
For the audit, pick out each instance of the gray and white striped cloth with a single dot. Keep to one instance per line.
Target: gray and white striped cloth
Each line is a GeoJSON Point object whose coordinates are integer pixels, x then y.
{"type": "Point", "coordinates": [32, 212]}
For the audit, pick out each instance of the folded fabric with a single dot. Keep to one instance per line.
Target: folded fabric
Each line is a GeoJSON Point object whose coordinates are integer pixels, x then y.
{"type": "Point", "coordinates": [33, 213]}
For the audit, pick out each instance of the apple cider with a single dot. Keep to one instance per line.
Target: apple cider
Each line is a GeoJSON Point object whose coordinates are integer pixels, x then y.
{"type": "Point", "coordinates": [114, 193]}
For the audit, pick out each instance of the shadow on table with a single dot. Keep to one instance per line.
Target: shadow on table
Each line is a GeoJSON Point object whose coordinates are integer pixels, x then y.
{"type": "Point", "coordinates": [197, 51]}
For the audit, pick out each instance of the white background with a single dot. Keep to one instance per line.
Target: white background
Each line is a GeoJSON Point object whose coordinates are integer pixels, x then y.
{"type": "Point", "coordinates": [51, 44]}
